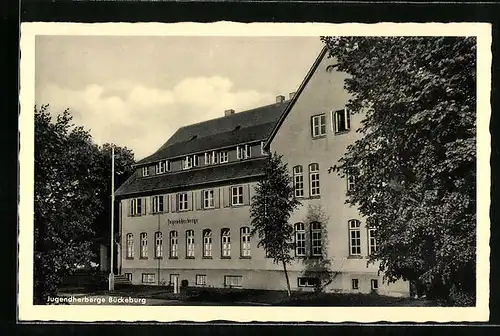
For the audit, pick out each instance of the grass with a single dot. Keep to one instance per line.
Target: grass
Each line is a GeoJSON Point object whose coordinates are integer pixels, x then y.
{"type": "Point", "coordinates": [232, 296]}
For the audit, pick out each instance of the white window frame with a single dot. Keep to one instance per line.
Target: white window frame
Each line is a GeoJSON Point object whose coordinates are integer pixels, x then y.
{"type": "Point", "coordinates": [201, 280]}
{"type": "Point", "coordinates": [144, 245]}
{"type": "Point", "coordinates": [298, 181]}
{"type": "Point", "coordinates": [316, 239]}
{"type": "Point", "coordinates": [215, 157]}
{"type": "Point", "coordinates": [351, 181]}
{"type": "Point", "coordinates": [187, 163]}
{"type": "Point", "coordinates": [207, 243]}
{"type": "Point", "coordinates": [314, 185]}
{"type": "Point", "coordinates": [233, 281]}
{"type": "Point", "coordinates": [158, 245]}
{"type": "Point", "coordinates": [263, 151]}
{"type": "Point", "coordinates": [238, 196]}
{"type": "Point", "coordinates": [183, 202]}
{"type": "Point", "coordinates": [190, 247]}
{"type": "Point", "coordinates": [318, 125]}
{"type": "Point", "coordinates": [208, 199]}
{"type": "Point", "coordinates": [130, 245]}
{"type": "Point", "coordinates": [374, 284]}
{"type": "Point", "coordinates": [128, 276]}
{"type": "Point", "coordinates": [208, 158]}
{"type": "Point", "coordinates": [158, 204]}
{"type": "Point", "coordinates": [300, 240]}
{"type": "Point", "coordinates": [225, 243]}
{"type": "Point", "coordinates": [354, 237]}
{"type": "Point", "coordinates": [305, 281]}
{"type": "Point", "coordinates": [346, 127]}
{"type": "Point", "coordinates": [174, 244]}
{"type": "Point", "coordinates": [245, 247]}
{"type": "Point", "coordinates": [145, 171]}
{"type": "Point", "coordinates": [136, 206]}
{"type": "Point", "coordinates": [223, 156]}
{"type": "Point", "coordinates": [372, 240]}
{"type": "Point", "coordinates": [196, 160]}
{"type": "Point", "coordinates": [149, 277]}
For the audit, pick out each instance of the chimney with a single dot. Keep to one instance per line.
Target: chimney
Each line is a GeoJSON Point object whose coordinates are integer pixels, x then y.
{"type": "Point", "coordinates": [228, 112]}
{"type": "Point", "coordinates": [280, 99]}
{"type": "Point", "coordinates": [292, 94]}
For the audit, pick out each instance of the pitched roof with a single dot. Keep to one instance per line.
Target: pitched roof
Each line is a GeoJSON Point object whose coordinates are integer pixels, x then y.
{"type": "Point", "coordinates": [252, 125]}
{"type": "Point", "coordinates": [291, 103]}
{"type": "Point", "coordinates": [192, 177]}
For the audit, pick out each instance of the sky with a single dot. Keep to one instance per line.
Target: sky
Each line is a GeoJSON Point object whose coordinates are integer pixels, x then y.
{"type": "Point", "coordinates": [136, 91]}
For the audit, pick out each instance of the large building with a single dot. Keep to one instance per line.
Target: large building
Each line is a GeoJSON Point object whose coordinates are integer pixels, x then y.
{"type": "Point", "coordinates": [185, 212]}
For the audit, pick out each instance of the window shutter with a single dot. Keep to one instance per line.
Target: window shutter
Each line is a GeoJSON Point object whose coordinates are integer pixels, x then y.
{"type": "Point", "coordinates": [175, 200]}
{"type": "Point", "coordinates": [347, 118]}
{"type": "Point", "coordinates": [246, 194]}
{"type": "Point", "coordinates": [190, 196]}
{"type": "Point", "coordinates": [166, 203]}
{"type": "Point", "coordinates": [144, 205]}
{"type": "Point", "coordinates": [217, 197]}
{"type": "Point", "coordinates": [312, 126]}
{"type": "Point", "coordinates": [199, 200]}
{"type": "Point", "coordinates": [129, 208]}
{"type": "Point", "coordinates": [252, 191]}
{"type": "Point", "coordinates": [226, 194]}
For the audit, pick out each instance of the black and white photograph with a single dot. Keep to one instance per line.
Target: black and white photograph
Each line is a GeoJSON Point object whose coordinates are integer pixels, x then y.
{"type": "Point", "coordinates": [280, 172]}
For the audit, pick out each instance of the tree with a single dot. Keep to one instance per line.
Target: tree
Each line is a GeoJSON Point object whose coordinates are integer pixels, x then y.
{"type": "Point", "coordinates": [272, 206]}
{"type": "Point", "coordinates": [72, 188]}
{"type": "Point", "coordinates": [415, 162]}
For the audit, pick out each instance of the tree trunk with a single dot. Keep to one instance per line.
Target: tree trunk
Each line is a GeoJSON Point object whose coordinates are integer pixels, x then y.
{"type": "Point", "coordinates": [287, 280]}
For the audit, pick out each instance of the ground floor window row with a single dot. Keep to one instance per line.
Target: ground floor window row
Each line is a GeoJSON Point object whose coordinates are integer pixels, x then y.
{"type": "Point", "coordinates": [206, 239]}
{"type": "Point", "coordinates": [237, 280]}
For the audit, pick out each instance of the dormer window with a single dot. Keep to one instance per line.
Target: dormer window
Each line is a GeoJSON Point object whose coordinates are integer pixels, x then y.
{"type": "Point", "coordinates": [224, 157]}
{"type": "Point", "coordinates": [190, 161]}
{"type": "Point", "coordinates": [208, 158]}
{"type": "Point", "coordinates": [243, 152]}
{"type": "Point", "coordinates": [145, 171]}
{"type": "Point", "coordinates": [263, 151]}
{"type": "Point", "coordinates": [214, 157]}
{"type": "Point", "coordinates": [162, 167]}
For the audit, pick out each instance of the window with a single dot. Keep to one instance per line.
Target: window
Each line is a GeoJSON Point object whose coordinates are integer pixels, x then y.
{"type": "Point", "coordinates": [162, 167]}
{"type": "Point", "coordinates": [318, 125]}
{"type": "Point", "coordinates": [372, 240]}
{"type": "Point", "coordinates": [314, 179]}
{"type": "Point", "coordinates": [174, 244]}
{"type": "Point", "coordinates": [145, 171]}
{"type": "Point", "coordinates": [158, 204]}
{"type": "Point", "coordinates": [136, 207]}
{"type": "Point", "coordinates": [298, 181]}
{"type": "Point", "coordinates": [263, 151]}
{"type": "Point", "coordinates": [243, 152]}
{"type": "Point", "coordinates": [232, 280]}
{"type": "Point", "coordinates": [224, 157]}
{"type": "Point", "coordinates": [300, 240]}
{"type": "Point", "coordinates": [208, 199]}
{"type": "Point", "coordinates": [355, 284]}
{"type": "Point", "coordinates": [148, 277]}
{"type": "Point", "coordinates": [214, 157]}
{"type": "Point", "coordinates": [190, 161]}
{"type": "Point", "coordinates": [201, 279]}
{"type": "Point", "coordinates": [158, 245]}
{"type": "Point", "coordinates": [128, 276]}
{"type": "Point", "coordinates": [245, 241]}
{"type": "Point", "coordinates": [226, 243]}
{"type": "Point", "coordinates": [308, 282]}
{"type": "Point", "coordinates": [316, 239]}
{"type": "Point", "coordinates": [374, 283]}
{"type": "Point", "coordinates": [190, 244]}
{"type": "Point", "coordinates": [144, 245]}
{"type": "Point", "coordinates": [351, 181]}
{"type": "Point", "coordinates": [208, 158]}
{"type": "Point", "coordinates": [342, 120]}
{"type": "Point", "coordinates": [354, 237]}
{"type": "Point", "coordinates": [207, 243]}
{"type": "Point", "coordinates": [130, 245]}
{"type": "Point", "coordinates": [237, 195]}
{"type": "Point", "coordinates": [182, 200]}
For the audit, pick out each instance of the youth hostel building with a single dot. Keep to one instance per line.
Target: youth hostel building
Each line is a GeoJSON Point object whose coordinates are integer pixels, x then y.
{"type": "Point", "coordinates": [185, 212]}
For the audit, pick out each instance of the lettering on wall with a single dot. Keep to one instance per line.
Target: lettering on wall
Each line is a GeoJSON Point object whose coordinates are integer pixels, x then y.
{"type": "Point", "coordinates": [183, 221]}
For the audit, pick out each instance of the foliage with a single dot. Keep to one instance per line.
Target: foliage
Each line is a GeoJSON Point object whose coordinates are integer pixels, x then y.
{"type": "Point", "coordinates": [71, 190]}
{"type": "Point", "coordinates": [416, 158]}
{"type": "Point", "coordinates": [272, 206]}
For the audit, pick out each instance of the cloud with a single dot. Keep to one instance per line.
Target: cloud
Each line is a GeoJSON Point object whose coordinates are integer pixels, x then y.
{"type": "Point", "coordinates": [143, 118]}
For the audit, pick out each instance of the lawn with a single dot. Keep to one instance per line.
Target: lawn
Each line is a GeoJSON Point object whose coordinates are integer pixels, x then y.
{"type": "Point", "coordinates": [230, 297]}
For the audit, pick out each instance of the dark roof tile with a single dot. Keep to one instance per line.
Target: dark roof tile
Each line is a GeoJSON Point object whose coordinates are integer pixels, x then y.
{"type": "Point", "coordinates": [192, 177]}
